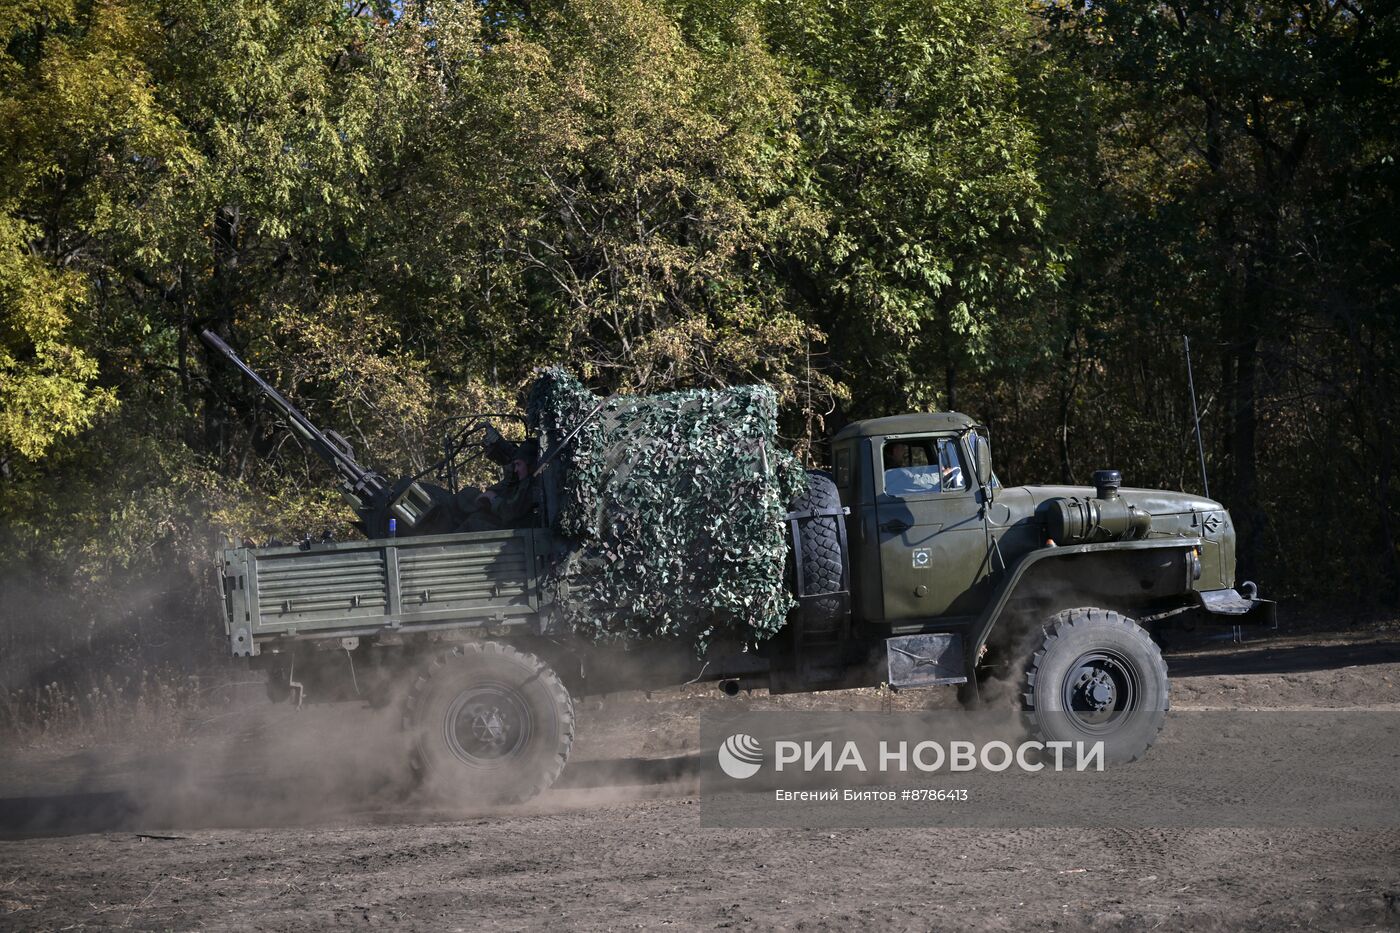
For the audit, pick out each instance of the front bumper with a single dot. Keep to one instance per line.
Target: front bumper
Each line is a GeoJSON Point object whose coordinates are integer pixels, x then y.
{"type": "Point", "coordinates": [1240, 606]}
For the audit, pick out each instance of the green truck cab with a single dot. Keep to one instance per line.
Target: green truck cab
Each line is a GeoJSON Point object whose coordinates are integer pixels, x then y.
{"type": "Point", "coordinates": [940, 546]}
{"type": "Point", "coordinates": [911, 566]}
{"type": "Point", "coordinates": [949, 550]}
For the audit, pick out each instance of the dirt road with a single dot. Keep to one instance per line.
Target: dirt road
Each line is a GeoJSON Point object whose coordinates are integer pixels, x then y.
{"type": "Point", "coordinates": [174, 840]}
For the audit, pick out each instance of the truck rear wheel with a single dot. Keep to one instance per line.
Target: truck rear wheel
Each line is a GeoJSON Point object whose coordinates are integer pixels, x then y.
{"type": "Point", "coordinates": [1096, 675]}
{"type": "Point", "coordinates": [819, 552]}
{"type": "Point", "coordinates": [490, 724]}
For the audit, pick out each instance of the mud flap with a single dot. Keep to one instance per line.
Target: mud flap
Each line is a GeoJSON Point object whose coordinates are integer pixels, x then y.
{"type": "Point", "coordinates": [925, 660]}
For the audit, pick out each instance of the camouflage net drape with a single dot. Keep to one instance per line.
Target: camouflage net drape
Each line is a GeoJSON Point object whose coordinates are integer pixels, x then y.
{"type": "Point", "coordinates": [673, 505]}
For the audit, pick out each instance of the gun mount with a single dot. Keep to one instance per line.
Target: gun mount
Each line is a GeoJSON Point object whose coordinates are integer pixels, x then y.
{"type": "Point", "coordinates": [411, 505]}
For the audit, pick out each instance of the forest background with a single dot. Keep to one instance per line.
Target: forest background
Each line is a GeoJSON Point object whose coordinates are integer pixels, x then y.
{"type": "Point", "coordinates": [397, 211]}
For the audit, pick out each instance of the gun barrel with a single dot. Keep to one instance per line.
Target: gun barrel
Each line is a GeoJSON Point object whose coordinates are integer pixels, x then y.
{"type": "Point", "coordinates": [329, 446]}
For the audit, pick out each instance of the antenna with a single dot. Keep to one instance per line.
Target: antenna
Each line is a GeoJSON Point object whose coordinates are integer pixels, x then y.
{"type": "Point", "coordinates": [1195, 415]}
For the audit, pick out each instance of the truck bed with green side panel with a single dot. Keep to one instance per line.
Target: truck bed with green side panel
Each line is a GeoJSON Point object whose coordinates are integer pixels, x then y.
{"type": "Point", "coordinates": [361, 588]}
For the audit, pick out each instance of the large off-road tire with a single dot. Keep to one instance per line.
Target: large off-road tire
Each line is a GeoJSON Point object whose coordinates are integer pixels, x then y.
{"type": "Point", "coordinates": [490, 724]}
{"type": "Point", "coordinates": [1097, 675]}
{"type": "Point", "coordinates": [819, 553]}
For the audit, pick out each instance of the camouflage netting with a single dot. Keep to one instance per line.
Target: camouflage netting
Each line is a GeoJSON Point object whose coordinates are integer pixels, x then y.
{"type": "Point", "coordinates": [673, 505]}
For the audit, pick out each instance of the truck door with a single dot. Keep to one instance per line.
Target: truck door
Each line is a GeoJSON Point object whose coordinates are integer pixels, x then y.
{"type": "Point", "coordinates": [932, 540]}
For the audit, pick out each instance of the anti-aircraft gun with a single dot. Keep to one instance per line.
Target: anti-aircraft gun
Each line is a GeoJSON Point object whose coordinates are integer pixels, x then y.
{"type": "Point", "coordinates": [386, 508]}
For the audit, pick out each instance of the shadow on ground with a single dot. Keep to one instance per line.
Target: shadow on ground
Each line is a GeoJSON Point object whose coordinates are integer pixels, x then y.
{"type": "Point", "coordinates": [1283, 659]}
{"type": "Point", "coordinates": [237, 807]}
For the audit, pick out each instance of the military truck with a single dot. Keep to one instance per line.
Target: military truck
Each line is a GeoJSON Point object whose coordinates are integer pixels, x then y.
{"type": "Point", "coordinates": [911, 565]}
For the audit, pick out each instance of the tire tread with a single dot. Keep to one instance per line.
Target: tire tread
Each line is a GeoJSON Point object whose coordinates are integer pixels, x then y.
{"type": "Point", "coordinates": [822, 559]}
{"type": "Point", "coordinates": [1055, 628]}
{"type": "Point", "coordinates": [462, 654]}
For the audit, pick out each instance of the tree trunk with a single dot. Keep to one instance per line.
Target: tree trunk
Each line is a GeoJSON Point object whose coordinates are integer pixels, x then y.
{"type": "Point", "coordinates": [224, 243]}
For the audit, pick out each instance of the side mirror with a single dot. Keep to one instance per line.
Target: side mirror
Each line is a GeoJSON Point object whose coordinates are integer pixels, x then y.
{"type": "Point", "coordinates": [982, 459]}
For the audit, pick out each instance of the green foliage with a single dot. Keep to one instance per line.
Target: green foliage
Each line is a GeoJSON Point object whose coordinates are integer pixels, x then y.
{"type": "Point", "coordinates": [603, 191]}
{"type": "Point", "coordinates": [46, 383]}
{"type": "Point", "coordinates": [1222, 171]}
{"type": "Point", "coordinates": [917, 155]}
{"type": "Point", "coordinates": [401, 213]}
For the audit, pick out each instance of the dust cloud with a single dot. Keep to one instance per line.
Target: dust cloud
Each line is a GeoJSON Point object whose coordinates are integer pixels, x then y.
{"type": "Point", "coordinates": [254, 764]}
{"type": "Point", "coordinates": [251, 763]}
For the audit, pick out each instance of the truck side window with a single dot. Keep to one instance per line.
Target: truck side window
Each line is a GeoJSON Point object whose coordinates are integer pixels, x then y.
{"type": "Point", "coordinates": [917, 465]}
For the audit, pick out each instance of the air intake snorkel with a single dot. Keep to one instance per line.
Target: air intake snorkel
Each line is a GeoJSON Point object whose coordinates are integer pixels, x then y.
{"type": "Point", "coordinates": [1107, 483]}
{"type": "Point", "coordinates": [1107, 517]}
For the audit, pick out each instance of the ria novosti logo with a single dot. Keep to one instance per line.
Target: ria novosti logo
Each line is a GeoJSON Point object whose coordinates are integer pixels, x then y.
{"type": "Point", "coordinates": [740, 756]}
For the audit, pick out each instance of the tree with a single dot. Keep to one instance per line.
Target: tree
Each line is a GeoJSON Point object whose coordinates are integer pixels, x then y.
{"type": "Point", "coordinates": [921, 164]}
{"type": "Point", "coordinates": [1240, 130]}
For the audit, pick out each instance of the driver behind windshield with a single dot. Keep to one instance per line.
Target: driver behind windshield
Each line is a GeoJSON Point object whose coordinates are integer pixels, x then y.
{"type": "Point", "coordinates": [902, 477]}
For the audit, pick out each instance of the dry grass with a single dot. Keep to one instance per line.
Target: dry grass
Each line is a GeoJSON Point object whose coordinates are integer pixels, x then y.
{"type": "Point", "coordinates": [154, 706]}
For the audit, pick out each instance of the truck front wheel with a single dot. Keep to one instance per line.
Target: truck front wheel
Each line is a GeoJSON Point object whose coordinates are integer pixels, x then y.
{"type": "Point", "coordinates": [1097, 675]}
{"type": "Point", "coordinates": [490, 724]}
